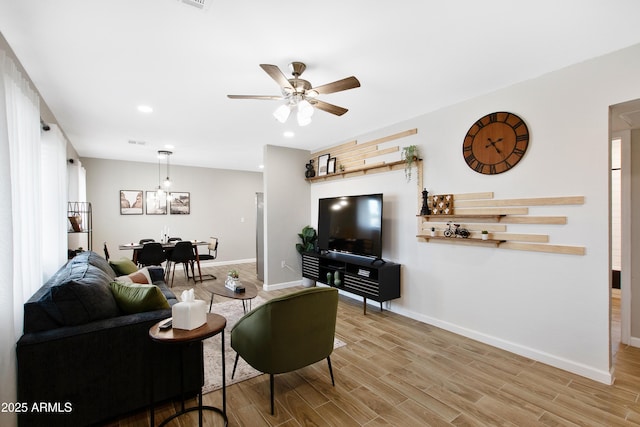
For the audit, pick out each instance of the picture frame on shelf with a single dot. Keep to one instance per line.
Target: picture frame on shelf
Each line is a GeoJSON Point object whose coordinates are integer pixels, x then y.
{"type": "Point", "coordinates": [331, 165]}
{"type": "Point", "coordinates": [131, 202]}
{"type": "Point", "coordinates": [156, 203]}
{"type": "Point", "coordinates": [179, 203]}
{"type": "Point", "coordinates": [323, 164]}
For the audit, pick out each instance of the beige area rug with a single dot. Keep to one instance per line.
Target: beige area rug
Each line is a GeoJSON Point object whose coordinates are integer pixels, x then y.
{"type": "Point", "coordinates": [232, 311]}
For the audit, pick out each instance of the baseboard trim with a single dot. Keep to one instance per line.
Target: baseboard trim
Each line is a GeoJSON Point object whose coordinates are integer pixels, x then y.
{"type": "Point", "coordinates": [634, 342]}
{"type": "Point", "coordinates": [605, 377]}
{"type": "Point", "coordinates": [213, 263]}
{"type": "Point", "coordinates": [284, 285]}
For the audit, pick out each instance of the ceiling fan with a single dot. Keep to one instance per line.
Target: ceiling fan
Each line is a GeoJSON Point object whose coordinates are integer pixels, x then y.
{"type": "Point", "coordinates": [300, 94]}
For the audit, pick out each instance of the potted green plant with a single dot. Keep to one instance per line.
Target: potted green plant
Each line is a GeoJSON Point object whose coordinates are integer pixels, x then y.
{"type": "Point", "coordinates": [308, 236]}
{"type": "Point", "coordinates": [485, 234]}
{"type": "Point", "coordinates": [409, 156]}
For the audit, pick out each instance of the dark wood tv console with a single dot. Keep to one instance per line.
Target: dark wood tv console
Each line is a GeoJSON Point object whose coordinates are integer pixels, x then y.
{"type": "Point", "coordinates": [377, 280]}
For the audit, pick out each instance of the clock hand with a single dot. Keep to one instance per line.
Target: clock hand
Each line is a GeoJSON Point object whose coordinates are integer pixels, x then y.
{"type": "Point", "coordinates": [493, 143]}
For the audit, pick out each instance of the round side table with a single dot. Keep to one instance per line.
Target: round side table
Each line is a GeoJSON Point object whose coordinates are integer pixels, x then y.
{"type": "Point", "coordinates": [215, 325]}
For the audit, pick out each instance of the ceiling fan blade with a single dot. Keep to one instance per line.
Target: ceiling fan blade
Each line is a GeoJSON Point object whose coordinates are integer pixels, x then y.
{"type": "Point", "coordinates": [337, 86]}
{"type": "Point", "coordinates": [267, 97]}
{"type": "Point", "coordinates": [277, 75]}
{"type": "Point", "coordinates": [329, 108]}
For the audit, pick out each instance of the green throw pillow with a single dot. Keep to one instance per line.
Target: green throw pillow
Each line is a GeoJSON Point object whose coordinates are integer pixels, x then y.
{"type": "Point", "coordinates": [134, 298]}
{"type": "Point", "coordinates": [123, 266]}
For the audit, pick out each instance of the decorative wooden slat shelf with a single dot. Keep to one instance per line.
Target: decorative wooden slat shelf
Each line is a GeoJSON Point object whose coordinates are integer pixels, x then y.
{"type": "Point", "coordinates": [460, 241]}
{"type": "Point", "coordinates": [363, 170]}
{"type": "Point", "coordinates": [352, 156]}
{"type": "Point", "coordinates": [478, 209]}
{"type": "Point", "coordinates": [470, 218]}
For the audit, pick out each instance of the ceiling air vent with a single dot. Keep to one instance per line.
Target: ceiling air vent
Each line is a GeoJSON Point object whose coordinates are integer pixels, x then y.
{"type": "Point", "coordinates": [200, 4]}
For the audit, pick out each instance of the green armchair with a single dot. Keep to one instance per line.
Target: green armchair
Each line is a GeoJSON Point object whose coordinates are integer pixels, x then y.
{"type": "Point", "coordinates": [288, 333]}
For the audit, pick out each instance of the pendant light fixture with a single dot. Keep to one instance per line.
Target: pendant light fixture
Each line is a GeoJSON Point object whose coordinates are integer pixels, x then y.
{"type": "Point", "coordinates": [163, 186]}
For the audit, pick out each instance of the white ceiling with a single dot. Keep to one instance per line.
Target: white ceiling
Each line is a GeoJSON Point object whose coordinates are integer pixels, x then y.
{"type": "Point", "coordinates": [94, 62]}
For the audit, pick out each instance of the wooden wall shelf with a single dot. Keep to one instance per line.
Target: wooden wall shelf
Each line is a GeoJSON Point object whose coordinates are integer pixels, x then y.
{"type": "Point", "coordinates": [474, 218]}
{"type": "Point", "coordinates": [363, 170]}
{"type": "Point", "coordinates": [460, 241]}
{"type": "Point", "coordinates": [364, 158]}
{"type": "Point", "coordinates": [480, 211]}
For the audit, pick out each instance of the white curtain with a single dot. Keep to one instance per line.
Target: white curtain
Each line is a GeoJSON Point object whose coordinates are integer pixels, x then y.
{"type": "Point", "coordinates": [54, 196]}
{"type": "Point", "coordinates": [20, 212]}
{"type": "Point", "coordinates": [77, 182]}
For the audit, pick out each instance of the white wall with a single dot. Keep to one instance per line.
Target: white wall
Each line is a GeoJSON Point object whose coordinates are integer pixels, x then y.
{"type": "Point", "coordinates": [551, 307]}
{"type": "Point", "coordinates": [286, 195]}
{"type": "Point", "coordinates": [222, 205]}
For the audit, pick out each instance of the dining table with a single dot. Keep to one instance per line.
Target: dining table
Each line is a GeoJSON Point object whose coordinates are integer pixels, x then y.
{"type": "Point", "coordinates": [166, 245]}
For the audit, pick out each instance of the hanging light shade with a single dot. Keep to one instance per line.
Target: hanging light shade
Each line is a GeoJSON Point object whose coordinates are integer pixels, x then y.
{"type": "Point", "coordinates": [282, 113]}
{"type": "Point", "coordinates": [305, 109]}
{"type": "Point", "coordinates": [163, 154]}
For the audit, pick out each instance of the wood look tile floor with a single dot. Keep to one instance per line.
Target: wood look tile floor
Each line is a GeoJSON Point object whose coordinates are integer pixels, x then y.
{"type": "Point", "coordinates": [396, 371]}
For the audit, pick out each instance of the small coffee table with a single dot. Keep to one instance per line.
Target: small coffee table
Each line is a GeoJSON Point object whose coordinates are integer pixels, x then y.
{"type": "Point", "coordinates": [215, 325]}
{"type": "Point", "coordinates": [250, 292]}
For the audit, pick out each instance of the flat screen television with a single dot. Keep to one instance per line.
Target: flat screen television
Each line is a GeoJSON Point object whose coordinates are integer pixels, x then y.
{"type": "Point", "coordinates": [351, 224]}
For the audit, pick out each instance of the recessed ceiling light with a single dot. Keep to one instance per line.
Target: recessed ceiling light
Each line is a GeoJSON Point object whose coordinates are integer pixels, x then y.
{"type": "Point", "coordinates": [169, 146]}
{"type": "Point", "coordinates": [289, 134]}
{"type": "Point", "coordinates": [145, 109]}
{"type": "Point", "coordinates": [261, 166]}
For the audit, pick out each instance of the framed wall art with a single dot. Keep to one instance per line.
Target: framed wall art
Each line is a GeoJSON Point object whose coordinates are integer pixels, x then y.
{"type": "Point", "coordinates": [323, 162]}
{"type": "Point", "coordinates": [156, 203]}
{"type": "Point", "coordinates": [331, 165]}
{"type": "Point", "coordinates": [179, 203]}
{"type": "Point", "coordinates": [131, 202]}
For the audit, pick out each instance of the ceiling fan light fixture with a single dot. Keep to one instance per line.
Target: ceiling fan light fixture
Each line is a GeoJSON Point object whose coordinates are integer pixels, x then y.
{"type": "Point", "coordinates": [303, 120]}
{"type": "Point", "coordinates": [305, 108]}
{"type": "Point", "coordinates": [282, 113]}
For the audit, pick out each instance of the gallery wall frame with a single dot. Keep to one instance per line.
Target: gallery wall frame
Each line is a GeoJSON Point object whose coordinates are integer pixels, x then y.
{"type": "Point", "coordinates": [131, 202]}
{"type": "Point", "coordinates": [179, 203]}
{"type": "Point", "coordinates": [156, 203]}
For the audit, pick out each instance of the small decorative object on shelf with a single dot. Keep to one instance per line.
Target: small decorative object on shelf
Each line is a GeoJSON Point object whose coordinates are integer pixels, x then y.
{"type": "Point", "coordinates": [329, 278]}
{"type": "Point", "coordinates": [310, 172]}
{"type": "Point", "coordinates": [331, 165]}
{"type": "Point", "coordinates": [341, 167]}
{"type": "Point", "coordinates": [485, 235]}
{"type": "Point", "coordinates": [409, 155]}
{"type": "Point", "coordinates": [337, 282]}
{"type": "Point", "coordinates": [442, 204]}
{"type": "Point", "coordinates": [433, 231]}
{"type": "Point", "coordinates": [425, 203]}
{"type": "Point", "coordinates": [456, 231]}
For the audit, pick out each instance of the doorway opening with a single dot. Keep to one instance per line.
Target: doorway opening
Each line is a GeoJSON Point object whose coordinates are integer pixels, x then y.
{"type": "Point", "coordinates": [624, 124]}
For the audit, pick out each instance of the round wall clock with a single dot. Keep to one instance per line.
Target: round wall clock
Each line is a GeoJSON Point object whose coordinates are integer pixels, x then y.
{"type": "Point", "coordinates": [495, 143]}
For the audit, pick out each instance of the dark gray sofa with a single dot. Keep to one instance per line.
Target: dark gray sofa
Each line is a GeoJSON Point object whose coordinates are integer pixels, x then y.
{"type": "Point", "coordinates": [88, 361]}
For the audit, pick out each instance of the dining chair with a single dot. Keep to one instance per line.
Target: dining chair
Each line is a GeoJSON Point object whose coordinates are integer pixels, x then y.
{"type": "Point", "coordinates": [211, 255]}
{"type": "Point", "coordinates": [171, 240]}
{"type": "Point", "coordinates": [152, 253]}
{"type": "Point", "coordinates": [181, 253]}
{"type": "Point", "coordinates": [136, 252]}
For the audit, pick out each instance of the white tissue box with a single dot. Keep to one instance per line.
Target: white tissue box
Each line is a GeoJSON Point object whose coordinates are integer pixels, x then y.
{"type": "Point", "coordinates": [189, 315]}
